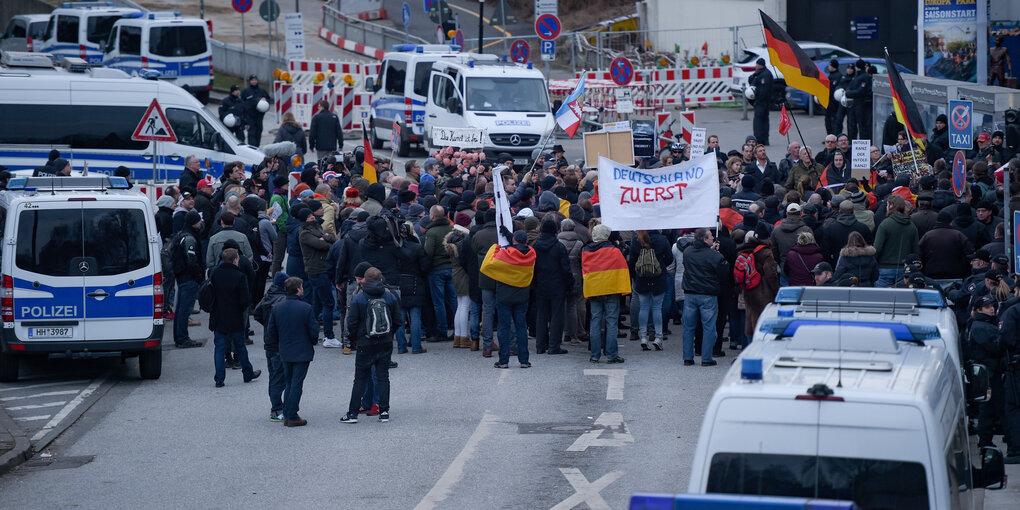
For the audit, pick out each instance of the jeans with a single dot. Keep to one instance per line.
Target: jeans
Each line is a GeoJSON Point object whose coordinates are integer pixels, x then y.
{"type": "Point", "coordinates": [294, 373]}
{"type": "Point", "coordinates": [277, 381]}
{"type": "Point", "coordinates": [372, 355]}
{"type": "Point", "coordinates": [488, 316]}
{"type": "Point", "coordinates": [415, 326]}
{"type": "Point", "coordinates": [323, 303]}
{"type": "Point", "coordinates": [651, 302]}
{"type": "Point", "coordinates": [461, 319]}
{"type": "Point", "coordinates": [888, 277]}
{"type": "Point", "coordinates": [706, 307]}
{"type": "Point", "coordinates": [606, 309]}
{"type": "Point", "coordinates": [236, 340]}
{"type": "Point", "coordinates": [187, 292]}
{"type": "Point", "coordinates": [443, 297]}
{"type": "Point", "coordinates": [513, 316]}
{"type": "Point", "coordinates": [474, 318]}
{"type": "Point", "coordinates": [667, 301]}
{"type": "Point", "coordinates": [549, 312]}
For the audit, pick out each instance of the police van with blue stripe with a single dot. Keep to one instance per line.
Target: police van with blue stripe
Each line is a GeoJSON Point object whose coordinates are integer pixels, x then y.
{"type": "Point", "coordinates": [81, 29]}
{"type": "Point", "coordinates": [89, 114]}
{"type": "Point", "coordinates": [80, 272]}
{"type": "Point", "coordinates": [163, 42]}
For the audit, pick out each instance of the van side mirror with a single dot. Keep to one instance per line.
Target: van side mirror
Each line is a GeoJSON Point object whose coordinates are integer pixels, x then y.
{"type": "Point", "coordinates": [453, 105]}
{"type": "Point", "coordinates": [992, 473]}
{"type": "Point", "coordinates": [370, 84]}
{"type": "Point", "coordinates": [978, 384]}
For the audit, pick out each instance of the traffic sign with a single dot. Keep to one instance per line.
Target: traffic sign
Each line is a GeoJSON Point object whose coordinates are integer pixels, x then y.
{"type": "Point", "coordinates": [269, 10]}
{"type": "Point", "coordinates": [622, 71]}
{"type": "Point", "coordinates": [959, 173]}
{"type": "Point", "coordinates": [458, 38]}
{"type": "Point", "coordinates": [547, 27]}
{"type": "Point", "coordinates": [428, 6]}
{"type": "Point", "coordinates": [520, 51]}
{"type": "Point", "coordinates": [961, 132]}
{"type": "Point", "coordinates": [548, 50]}
{"type": "Point", "coordinates": [153, 127]}
{"type": "Point", "coordinates": [405, 12]}
{"type": "Point", "coordinates": [242, 6]}
{"type": "Point", "coordinates": [440, 35]}
{"type": "Point", "coordinates": [546, 7]}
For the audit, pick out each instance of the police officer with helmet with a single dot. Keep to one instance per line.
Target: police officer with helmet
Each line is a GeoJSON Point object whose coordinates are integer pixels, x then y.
{"type": "Point", "coordinates": [1009, 342]}
{"type": "Point", "coordinates": [760, 86]}
{"type": "Point", "coordinates": [256, 103]}
{"type": "Point", "coordinates": [232, 113]}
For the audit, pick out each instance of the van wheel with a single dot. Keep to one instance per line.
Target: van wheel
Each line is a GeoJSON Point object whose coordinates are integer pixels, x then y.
{"type": "Point", "coordinates": [404, 149]}
{"type": "Point", "coordinates": [8, 368]}
{"type": "Point", "coordinates": [202, 96]}
{"type": "Point", "coordinates": [150, 364]}
{"type": "Point", "coordinates": [376, 142]}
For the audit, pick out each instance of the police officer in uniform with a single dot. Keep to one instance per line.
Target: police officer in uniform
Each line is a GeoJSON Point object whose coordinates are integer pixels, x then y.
{"type": "Point", "coordinates": [1009, 341]}
{"type": "Point", "coordinates": [834, 114]}
{"type": "Point", "coordinates": [250, 97]}
{"type": "Point", "coordinates": [860, 91]}
{"type": "Point", "coordinates": [761, 80]}
{"type": "Point", "coordinates": [232, 104]}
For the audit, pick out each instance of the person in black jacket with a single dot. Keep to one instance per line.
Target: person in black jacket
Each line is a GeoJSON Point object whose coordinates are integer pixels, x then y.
{"type": "Point", "coordinates": [291, 131]}
{"type": "Point", "coordinates": [650, 288]}
{"type": "Point", "coordinates": [838, 232]}
{"type": "Point", "coordinates": [189, 271]}
{"type": "Point", "coordinates": [704, 269]}
{"type": "Point", "coordinates": [511, 309]}
{"type": "Point", "coordinates": [374, 351]}
{"type": "Point", "coordinates": [553, 278]}
{"type": "Point", "coordinates": [938, 142]}
{"type": "Point", "coordinates": [232, 104]}
{"type": "Point", "coordinates": [251, 96]}
{"type": "Point", "coordinates": [293, 324]}
{"type": "Point", "coordinates": [227, 319]}
{"type": "Point", "coordinates": [983, 347]}
{"type": "Point", "coordinates": [325, 136]}
{"type": "Point", "coordinates": [414, 267]}
{"type": "Point", "coordinates": [762, 169]}
{"type": "Point", "coordinates": [1009, 341]}
{"type": "Point", "coordinates": [860, 91]}
{"type": "Point", "coordinates": [277, 383]}
{"type": "Point", "coordinates": [761, 80]}
{"type": "Point", "coordinates": [165, 217]}
{"type": "Point", "coordinates": [834, 113]}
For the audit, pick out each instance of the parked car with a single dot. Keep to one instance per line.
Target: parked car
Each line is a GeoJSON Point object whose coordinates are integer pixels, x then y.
{"type": "Point", "coordinates": [23, 31]}
{"type": "Point", "coordinates": [799, 99]}
{"type": "Point", "coordinates": [744, 65]}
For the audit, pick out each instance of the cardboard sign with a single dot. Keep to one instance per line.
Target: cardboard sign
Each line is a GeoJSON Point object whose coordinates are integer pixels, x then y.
{"type": "Point", "coordinates": [465, 138]}
{"type": "Point", "coordinates": [860, 159]}
{"type": "Point", "coordinates": [699, 139]}
{"type": "Point", "coordinates": [617, 146]}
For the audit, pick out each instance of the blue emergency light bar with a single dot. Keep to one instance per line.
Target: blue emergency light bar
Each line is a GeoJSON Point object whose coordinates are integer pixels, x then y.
{"type": "Point", "coordinates": [903, 332]}
{"type": "Point", "coordinates": [924, 298]}
{"type": "Point", "coordinates": [68, 5]}
{"type": "Point", "coordinates": [732, 502]}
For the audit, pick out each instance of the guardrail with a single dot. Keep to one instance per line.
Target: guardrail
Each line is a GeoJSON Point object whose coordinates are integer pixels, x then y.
{"type": "Point", "coordinates": [364, 32]}
{"type": "Point", "coordinates": [230, 60]}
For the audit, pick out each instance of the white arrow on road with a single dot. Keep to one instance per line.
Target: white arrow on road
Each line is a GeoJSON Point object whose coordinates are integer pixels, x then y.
{"type": "Point", "coordinates": [620, 434]}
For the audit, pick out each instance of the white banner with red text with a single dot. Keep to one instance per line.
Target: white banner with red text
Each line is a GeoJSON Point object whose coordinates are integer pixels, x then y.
{"type": "Point", "coordinates": [677, 196]}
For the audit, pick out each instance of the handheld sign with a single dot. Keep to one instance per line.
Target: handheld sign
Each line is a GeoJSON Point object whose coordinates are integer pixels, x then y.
{"type": "Point", "coordinates": [153, 127]}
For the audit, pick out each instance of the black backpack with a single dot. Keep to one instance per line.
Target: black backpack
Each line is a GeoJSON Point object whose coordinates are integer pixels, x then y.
{"type": "Point", "coordinates": [377, 322]}
{"type": "Point", "coordinates": [206, 294]}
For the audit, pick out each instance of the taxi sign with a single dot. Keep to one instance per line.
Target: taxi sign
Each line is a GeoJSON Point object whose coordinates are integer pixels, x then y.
{"type": "Point", "coordinates": [154, 127]}
{"type": "Point", "coordinates": [961, 131]}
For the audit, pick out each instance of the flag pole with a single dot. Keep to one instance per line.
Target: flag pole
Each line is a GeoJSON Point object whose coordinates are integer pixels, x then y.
{"type": "Point", "coordinates": [910, 143]}
{"type": "Point", "coordinates": [794, 119]}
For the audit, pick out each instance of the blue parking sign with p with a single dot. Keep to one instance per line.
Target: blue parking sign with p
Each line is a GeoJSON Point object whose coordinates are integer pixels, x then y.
{"type": "Point", "coordinates": [961, 130]}
{"type": "Point", "coordinates": [548, 47]}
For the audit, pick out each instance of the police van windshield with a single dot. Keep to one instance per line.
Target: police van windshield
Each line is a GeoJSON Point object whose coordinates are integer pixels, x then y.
{"type": "Point", "coordinates": [871, 484]}
{"type": "Point", "coordinates": [177, 41]}
{"type": "Point", "coordinates": [99, 28]}
{"type": "Point", "coordinates": [50, 242]}
{"type": "Point", "coordinates": [507, 95]}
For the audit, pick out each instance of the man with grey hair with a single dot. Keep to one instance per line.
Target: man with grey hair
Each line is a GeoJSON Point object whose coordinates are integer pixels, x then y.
{"type": "Point", "coordinates": [789, 161]}
{"type": "Point", "coordinates": [825, 157]}
{"type": "Point", "coordinates": [412, 169]}
{"type": "Point", "coordinates": [191, 175]}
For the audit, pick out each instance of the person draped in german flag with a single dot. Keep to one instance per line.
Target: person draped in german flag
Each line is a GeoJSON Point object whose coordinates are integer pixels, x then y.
{"type": "Point", "coordinates": [512, 267]}
{"type": "Point", "coordinates": [606, 279]}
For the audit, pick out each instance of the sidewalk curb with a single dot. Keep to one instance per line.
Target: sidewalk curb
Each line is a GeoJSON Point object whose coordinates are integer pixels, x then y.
{"type": "Point", "coordinates": [345, 44]}
{"type": "Point", "coordinates": [22, 446]}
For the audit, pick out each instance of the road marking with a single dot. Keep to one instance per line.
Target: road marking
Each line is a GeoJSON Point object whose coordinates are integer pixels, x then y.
{"type": "Point", "coordinates": [585, 491]}
{"type": "Point", "coordinates": [441, 490]}
{"type": "Point", "coordinates": [486, 20]}
{"type": "Point", "coordinates": [504, 375]}
{"type": "Point", "coordinates": [47, 394]}
{"type": "Point", "coordinates": [44, 385]}
{"type": "Point", "coordinates": [614, 388]}
{"type": "Point", "coordinates": [75, 402]}
{"type": "Point", "coordinates": [37, 406]}
{"type": "Point", "coordinates": [33, 418]}
{"type": "Point", "coordinates": [606, 421]}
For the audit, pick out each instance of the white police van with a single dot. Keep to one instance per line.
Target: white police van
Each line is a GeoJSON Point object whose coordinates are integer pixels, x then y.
{"type": "Point", "coordinates": [508, 101]}
{"type": "Point", "coordinates": [175, 47]}
{"type": "Point", "coordinates": [81, 273]}
{"type": "Point", "coordinates": [400, 92]}
{"type": "Point", "coordinates": [81, 29]}
{"type": "Point", "coordinates": [89, 115]}
{"type": "Point", "coordinates": [23, 31]}
{"type": "Point", "coordinates": [845, 412]}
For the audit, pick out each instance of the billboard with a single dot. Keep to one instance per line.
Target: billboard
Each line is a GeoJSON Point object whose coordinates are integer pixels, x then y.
{"type": "Point", "coordinates": [952, 42]}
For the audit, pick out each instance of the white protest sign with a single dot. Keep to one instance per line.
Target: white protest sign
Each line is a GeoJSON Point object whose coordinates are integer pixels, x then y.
{"type": "Point", "coordinates": [465, 138]}
{"type": "Point", "coordinates": [859, 154]}
{"type": "Point", "coordinates": [677, 196]}
{"type": "Point", "coordinates": [698, 141]}
{"type": "Point", "coordinates": [624, 102]}
{"type": "Point", "coordinates": [294, 32]}
{"type": "Point", "coordinates": [501, 205]}
{"type": "Point", "coordinates": [616, 127]}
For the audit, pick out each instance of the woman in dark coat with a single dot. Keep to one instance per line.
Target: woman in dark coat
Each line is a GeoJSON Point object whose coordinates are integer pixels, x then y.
{"type": "Point", "coordinates": [756, 299]}
{"type": "Point", "coordinates": [414, 266]}
{"type": "Point", "coordinates": [651, 290]}
{"type": "Point", "coordinates": [291, 131]}
{"type": "Point", "coordinates": [802, 259]}
{"type": "Point", "coordinates": [856, 266]}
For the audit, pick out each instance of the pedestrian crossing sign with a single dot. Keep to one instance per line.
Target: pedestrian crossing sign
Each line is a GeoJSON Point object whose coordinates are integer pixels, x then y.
{"type": "Point", "coordinates": [154, 127]}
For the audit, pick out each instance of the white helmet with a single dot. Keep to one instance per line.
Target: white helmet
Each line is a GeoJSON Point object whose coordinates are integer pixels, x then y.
{"type": "Point", "coordinates": [839, 95]}
{"type": "Point", "coordinates": [749, 93]}
{"type": "Point", "coordinates": [230, 121]}
{"type": "Point", "coordinates": [262, 106]}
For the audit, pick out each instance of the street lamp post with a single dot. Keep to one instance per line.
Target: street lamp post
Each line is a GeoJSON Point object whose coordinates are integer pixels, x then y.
{"type": "Point", "coordinates": [481, 24]}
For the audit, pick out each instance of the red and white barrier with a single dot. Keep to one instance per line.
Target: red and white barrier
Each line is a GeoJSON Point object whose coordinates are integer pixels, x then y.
{"type": "Point", "coordinates": [349, 45]}
{"type": "Point", "coordinates": [372, 15]}
{"type": "Point", "coordinates": [675, 87]}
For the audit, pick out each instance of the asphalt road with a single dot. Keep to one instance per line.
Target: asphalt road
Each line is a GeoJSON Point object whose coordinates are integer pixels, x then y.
{"type": "Point", "coordinates": [462, 435]}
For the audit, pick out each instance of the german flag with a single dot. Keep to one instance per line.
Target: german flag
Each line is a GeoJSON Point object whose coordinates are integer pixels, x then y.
{"type": "Point", "coordinates": [797, 68]}
{"type": "Point", "coordinates": [369, 166]}
{"type": "Point", "coordinates": [904, 106]}
{"type": "Point", "coordinates": [509, 265]}
{"type": "Point", "coordinates": [604, 272]}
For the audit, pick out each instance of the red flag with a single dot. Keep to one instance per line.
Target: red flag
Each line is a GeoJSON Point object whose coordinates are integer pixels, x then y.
{"type": "Point", "coordinates": [784, 121]}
